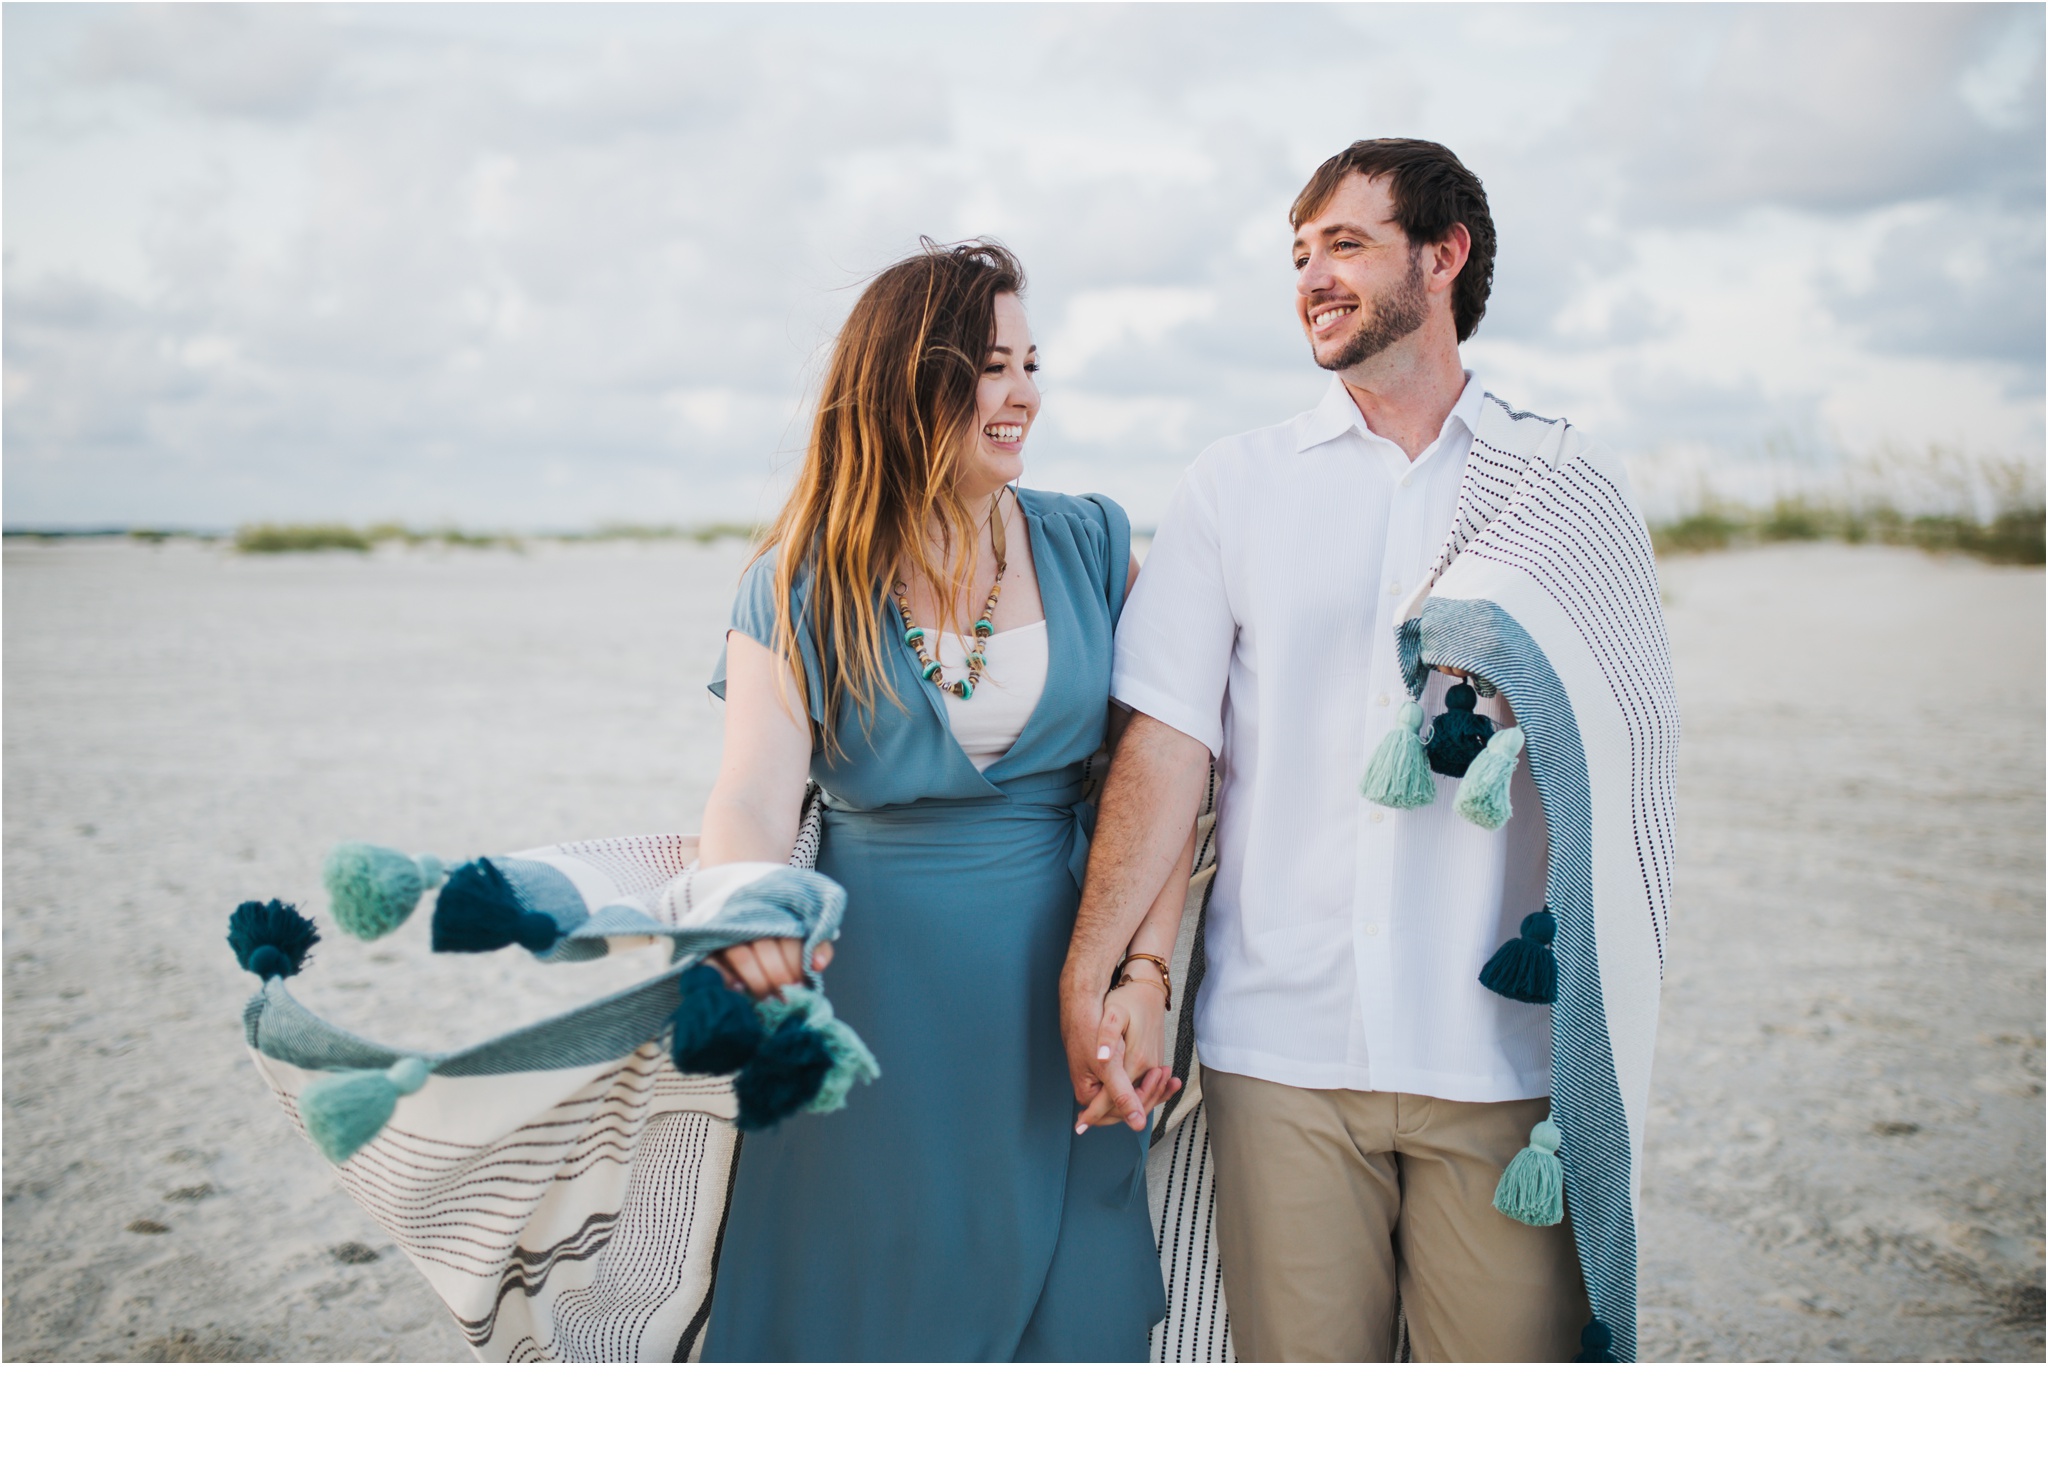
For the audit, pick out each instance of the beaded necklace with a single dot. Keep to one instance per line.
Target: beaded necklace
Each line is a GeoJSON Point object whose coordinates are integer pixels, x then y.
{"type": "Point", "coordinates": [914, 636]}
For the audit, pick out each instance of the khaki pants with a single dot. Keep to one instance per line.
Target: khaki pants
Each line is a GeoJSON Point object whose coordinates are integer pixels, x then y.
{"type": "Point", "coordinates": [1335, 1208]}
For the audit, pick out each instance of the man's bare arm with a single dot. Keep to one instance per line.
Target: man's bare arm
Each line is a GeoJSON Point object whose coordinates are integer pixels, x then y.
{"type": "Point", "coordinates": [1149, 804]}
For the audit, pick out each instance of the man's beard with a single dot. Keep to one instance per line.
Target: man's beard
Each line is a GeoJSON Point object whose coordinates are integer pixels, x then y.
{"type": "Point", "coordinates": [1395, 315]}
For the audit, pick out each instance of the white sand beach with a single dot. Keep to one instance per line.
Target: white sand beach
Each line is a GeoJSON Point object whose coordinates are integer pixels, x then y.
{"type": "Point", "coordinates": [1846, 1149]}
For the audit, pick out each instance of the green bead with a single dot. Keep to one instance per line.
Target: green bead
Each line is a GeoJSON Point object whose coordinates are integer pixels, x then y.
{"type": "Point", "coordinates": [976, 661]}
{"type": "Point", "coordinates": [984, 626]}
{"type": "Point", "coordinates": [913, 635]}
{"type": "Point", "coordinates": [933, 671]}
{"type": "Point", "coordinates": [964, 690]}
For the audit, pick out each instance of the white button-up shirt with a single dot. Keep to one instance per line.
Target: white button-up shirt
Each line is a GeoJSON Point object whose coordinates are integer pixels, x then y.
{"type": "Point", "coordinates": [1344, 939]}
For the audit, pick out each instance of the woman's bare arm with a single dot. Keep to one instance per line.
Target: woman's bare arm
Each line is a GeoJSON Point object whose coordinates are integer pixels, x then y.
{"type": "Point", "coordinates": [755, 805]}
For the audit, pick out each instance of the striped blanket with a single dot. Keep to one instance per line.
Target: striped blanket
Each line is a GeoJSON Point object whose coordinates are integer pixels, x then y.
{"type": "Point", "coordinates": [1547, 589]}
{"type": "Point", "coordinates": [563, 1188]}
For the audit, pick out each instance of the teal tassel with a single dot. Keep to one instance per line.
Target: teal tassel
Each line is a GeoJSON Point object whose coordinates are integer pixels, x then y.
{"type": "Point", "coordinates": [1459, 733]}
{"type": "Point", "coordinates": [715, 1029]}
{"type": "Point", "coordinates": [1532, 1188]}
{"type": "Point", "coordinates": [270, 940]}
{"type": "Point", "coordinates": [1525, 968]}
{"type": "Point", "coordinates": [372, 890]}
{"type": "Point", "coordinates": [851, 1061]}
{"type": "Point", "coordinates": [1596, 1344]}
{"type": "Point", "coordinates": [344, 1111]}
{"type": "Point", "coordinates": [1483, 796]}
{"type": "Point", "coordinates": [785, 1074]}
{"type": "Point", "coordinates": [478, 911]}
{"type": "Point", "coordinates": [1398, 776]}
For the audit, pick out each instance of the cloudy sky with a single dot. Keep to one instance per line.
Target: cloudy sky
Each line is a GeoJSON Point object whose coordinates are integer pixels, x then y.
{"type": "Point", "coordinates": [538, 267]}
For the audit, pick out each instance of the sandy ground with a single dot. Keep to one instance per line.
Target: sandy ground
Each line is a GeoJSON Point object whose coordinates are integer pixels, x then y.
{"type": "Point", "coordinates": [1846, 1151]}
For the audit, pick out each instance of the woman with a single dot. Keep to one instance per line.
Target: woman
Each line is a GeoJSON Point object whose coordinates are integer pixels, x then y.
{"type": "Point", "coordinates": [933, 647]}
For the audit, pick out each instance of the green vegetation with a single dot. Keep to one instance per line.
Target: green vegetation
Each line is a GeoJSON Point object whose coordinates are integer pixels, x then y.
{"type": "Point", "coordinates": [2014, 536]}
{"type": "Point", "coordinates": [304, 538]}
{"type": "Point", "coordinates": [1931, 498]}
{"type": "Point", "coordinates": [298, 538]}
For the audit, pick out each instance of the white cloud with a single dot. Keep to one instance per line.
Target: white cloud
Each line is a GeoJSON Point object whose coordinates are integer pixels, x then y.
{"type": "Point", "coordinates": [1100, 320]}
{"type": "Point", "coordinates": [545, 265]}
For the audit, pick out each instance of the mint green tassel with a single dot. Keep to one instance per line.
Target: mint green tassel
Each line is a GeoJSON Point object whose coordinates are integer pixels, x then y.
{"type": "Point", "coordinates": [1483, 796]}
{"type": "Point", "coordinates": [1532, 1189]}
{"type": "Point", "coordinates": [373, 889]}
{"type": "Point", "coordinates": [1398, 776]}
{"type": "Point", "coordinates": [851, 1061]}
{"type": "Point", "coordinates": [344, 1111]}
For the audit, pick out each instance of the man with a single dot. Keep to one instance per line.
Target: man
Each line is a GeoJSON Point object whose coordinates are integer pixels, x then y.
{"type": "Point", "coordinates": [1364, 1091]}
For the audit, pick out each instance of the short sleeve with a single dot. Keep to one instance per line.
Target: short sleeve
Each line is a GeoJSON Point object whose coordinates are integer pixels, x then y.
{"type": "Point", "coordinates": [1117, 570]}
{"type": "Point", "coordinates": [1178, 631]}
{"type": "Point", "coordinates": [753, 612]}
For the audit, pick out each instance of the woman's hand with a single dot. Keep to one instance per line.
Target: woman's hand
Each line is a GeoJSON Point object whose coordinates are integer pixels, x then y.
{"type": "Point", "coordinates": [1130, 1045]}
{"type": "Point", "coordinates": [760, 967]}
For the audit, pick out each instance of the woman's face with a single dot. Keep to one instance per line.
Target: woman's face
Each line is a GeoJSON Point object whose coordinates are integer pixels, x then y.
{"type": "Point", "coordinates": [1005, 403]}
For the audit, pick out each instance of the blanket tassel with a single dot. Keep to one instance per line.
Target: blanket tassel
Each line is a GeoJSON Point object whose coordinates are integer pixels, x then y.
{"type": "Point", "coordinates": [788, 1051]}
{"type": "Point", "coordinates": [345, 1111]}
{"type": "Point", "coordinates": [270, 940]}
{"type": "Point", "coordinates": [478, 911]}
{"type": "Point", "coordinates": [1483, 796]}
{"type": "Point", "coordinates": [1532, 1188]}
{"type": "Point", "coordinates": [1525, 967]}
{"type": "Point", "coordinates": [1398, 775]}
{"type": "Point", "coordinates": [1596, 1344]}
{"type": "Point", "coordinates": [715, 1030]}
{"type": "Point", "coordinates": [372, 890]}
{"type": "Point", "coordinates": [1459, 734]}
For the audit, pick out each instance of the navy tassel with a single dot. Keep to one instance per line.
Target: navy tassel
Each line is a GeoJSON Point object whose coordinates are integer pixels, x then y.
{"type": "Point", "coordinates": [1596, 1344]}
{"type": "Point", "coordinates": [1459, 734]}
{"type": "Point", "coordinates": [715, 1030]}
{"type": "Point", "coordinates": [1525, 968]}
{"type": "Point", "coordinates": [270, 940]}
{"type": "Point", "coordinates": [478, 911]}
{"type": "Point", "coordinates": [784, 1075]}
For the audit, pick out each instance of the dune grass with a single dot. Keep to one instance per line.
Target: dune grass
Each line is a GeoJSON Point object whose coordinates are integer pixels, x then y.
{"type": "Point", "coordinates": [2013, 536]}
{"type": "Point", "coordinates": [308, 538]}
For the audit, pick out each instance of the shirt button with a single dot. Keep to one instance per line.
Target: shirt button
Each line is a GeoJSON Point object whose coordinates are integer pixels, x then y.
{"type": "Point", "coordinates": [1396, 589]}
{"type": "Point", "coordinates": [1378, 815]}
{"type": "Point", "coordinates": [1383, 699]}
{"type": "Point", "coordinates": [1372, 930]}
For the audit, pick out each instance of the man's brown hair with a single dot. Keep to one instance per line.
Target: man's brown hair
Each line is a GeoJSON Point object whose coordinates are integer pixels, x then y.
{"type": "Point", "coordinates": [1431, 190]}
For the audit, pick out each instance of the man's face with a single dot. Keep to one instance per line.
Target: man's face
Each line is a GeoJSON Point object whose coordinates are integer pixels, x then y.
{"type": "Point", "coordinates": [1358, 281]}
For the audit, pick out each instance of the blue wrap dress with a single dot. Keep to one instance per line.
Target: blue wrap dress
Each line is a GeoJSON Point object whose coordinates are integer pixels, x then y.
{"type": "Point", "coordinates": [949, 1212]}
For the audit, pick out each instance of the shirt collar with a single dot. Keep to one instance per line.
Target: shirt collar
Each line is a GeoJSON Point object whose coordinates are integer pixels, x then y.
{"type": "Point", "coordinates": [1338, 414]}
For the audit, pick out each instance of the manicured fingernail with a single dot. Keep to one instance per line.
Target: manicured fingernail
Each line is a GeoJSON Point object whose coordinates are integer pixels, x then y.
{"type": "Point", "coordinates": [1103, 1051]}
{"type": "Point", "coordinates": [1081, 1128]}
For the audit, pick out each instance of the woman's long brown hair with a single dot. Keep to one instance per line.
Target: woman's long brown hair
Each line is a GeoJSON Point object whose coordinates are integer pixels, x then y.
{"type": "Point", "coordinates": [895, 418]}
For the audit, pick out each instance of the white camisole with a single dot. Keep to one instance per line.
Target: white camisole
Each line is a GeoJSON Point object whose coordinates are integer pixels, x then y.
{"type": "Point", "coordinates": [987, 724]}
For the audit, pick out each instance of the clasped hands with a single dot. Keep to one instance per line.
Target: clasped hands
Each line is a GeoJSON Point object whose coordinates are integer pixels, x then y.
{"type": "Point", "coordinates": [1116, 1047]}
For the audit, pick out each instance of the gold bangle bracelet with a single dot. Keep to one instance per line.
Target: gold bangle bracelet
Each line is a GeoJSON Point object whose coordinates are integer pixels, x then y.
{"type": "Point", "coordinates": [1123, 974]}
